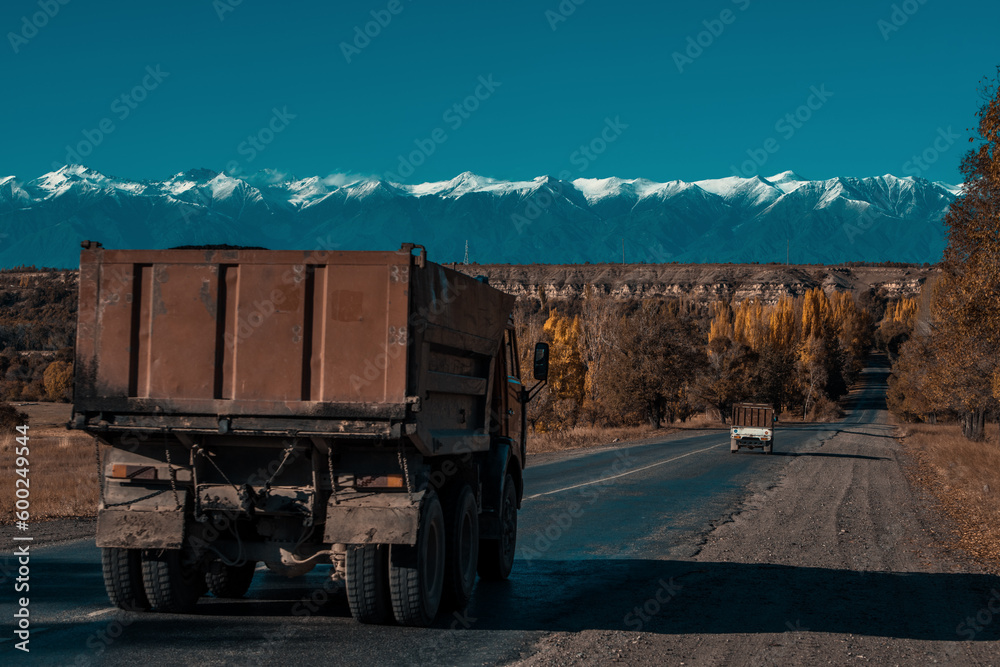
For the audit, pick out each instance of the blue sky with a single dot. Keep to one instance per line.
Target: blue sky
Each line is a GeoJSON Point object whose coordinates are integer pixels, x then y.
{"type": "Point", "coordinates": [656, 90]}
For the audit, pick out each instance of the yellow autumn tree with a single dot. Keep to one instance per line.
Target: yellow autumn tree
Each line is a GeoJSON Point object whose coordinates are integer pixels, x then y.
{"type": "Point", "coordinates": [567, 372]}
{"type": "Point", "coordinates": [58, 380]}
{"type": "Point", "coordinates": [897, 324]}
{"type": "Point", "coordinates": [722, 322]}
{"type": "Point", "coordinates": [966, 302]}
{"type": "Point", "coordinates": [781, 325]}
{"type": "Point", "coordinates": [815, 313]}
{"type": "Point", "coordinates": [750, 324]}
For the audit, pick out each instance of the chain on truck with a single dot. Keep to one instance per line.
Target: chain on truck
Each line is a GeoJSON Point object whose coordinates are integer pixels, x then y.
{"type": "Point", "coordinates": [360, 410]}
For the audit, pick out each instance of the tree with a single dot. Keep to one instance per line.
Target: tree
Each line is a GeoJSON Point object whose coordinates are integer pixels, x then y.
{"type": "Point", "coordinates": [966, 315]}
{"type": "Point", "coordinates": [723, 381]}
{"type": "Point", "coordinates": [652, 364]}
{"type": "Point", "coordinates": [897, 324]}
{"type": "Point", "coordinates": [782, 334]}
{"type": "Point", "coordinates": [567, 372]}
{"type": "Point", "coordinates": [722, 322]}
{"type": "Point", "coordinates": [812, 371]}
{"type": "Point", "coordinates": [58, 381]}
{"type": "Point", "coordinates": [815, 313]}
{"type": "Point", "coordinates": [910, 390]}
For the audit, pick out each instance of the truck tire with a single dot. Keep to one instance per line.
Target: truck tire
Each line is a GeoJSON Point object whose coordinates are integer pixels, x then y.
{"type": "Point", "coordinates": [171, 586]}
{"type": "Point", "coordinates": [496, 557]}
{"type": "Point", "coordinates": [462, 550]}
{"type": "Point", "coordinates": [230, 582]}
{"type": "Point", "coordinates": [123, 578]}
{"type": "Point", "coordinates": [416, 573]}
{"type": "Point", "coordinates": [368, 583]}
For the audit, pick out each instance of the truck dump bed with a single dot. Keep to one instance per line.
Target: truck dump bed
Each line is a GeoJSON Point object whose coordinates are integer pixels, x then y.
{"type": "Point", "coordinates": [362, 344]}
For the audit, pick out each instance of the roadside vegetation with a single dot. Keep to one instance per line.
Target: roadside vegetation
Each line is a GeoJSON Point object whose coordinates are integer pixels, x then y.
{"type": "Point", "coordinates": [964, 477]}
{"type": "Point", "coordinates": [947, 367]}
{"type": "Point", "coordinates": [62, 470]}
{"type": "Point", "coordinates": [37, 331]}
{"type": "Point", "coordinates": [660, 362]}
{"type": "Point", "coordinates": [945, 383]}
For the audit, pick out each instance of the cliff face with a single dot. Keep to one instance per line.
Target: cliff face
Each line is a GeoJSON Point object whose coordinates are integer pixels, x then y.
{"type": "Point", "coordinates": [704, 283]}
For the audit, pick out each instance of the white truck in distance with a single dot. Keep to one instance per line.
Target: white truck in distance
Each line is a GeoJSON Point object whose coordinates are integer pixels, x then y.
{"type": "Point", "coordinates": [752, 427]}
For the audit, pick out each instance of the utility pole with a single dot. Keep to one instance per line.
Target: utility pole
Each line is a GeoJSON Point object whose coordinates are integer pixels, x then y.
{"type": "Point", "coordinates": [466, 252]}
{"type": "Point", "coordinates": [623, 252]}
{"type": "Point", "coordinates": [788, 249]}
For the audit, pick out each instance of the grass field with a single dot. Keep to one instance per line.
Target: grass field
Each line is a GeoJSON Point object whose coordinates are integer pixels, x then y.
{"type": "Point", "coordinates": [965, 478]}
{"type": "Point", "coordinates": [62, 472]}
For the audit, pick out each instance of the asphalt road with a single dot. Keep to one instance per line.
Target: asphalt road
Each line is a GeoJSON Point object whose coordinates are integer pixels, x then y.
{"type": "Point", "coordinates": [603, 535]}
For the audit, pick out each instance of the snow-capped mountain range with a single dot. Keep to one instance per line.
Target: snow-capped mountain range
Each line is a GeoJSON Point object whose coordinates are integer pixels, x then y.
{"type": "Point", "coordinates": [543, 220]}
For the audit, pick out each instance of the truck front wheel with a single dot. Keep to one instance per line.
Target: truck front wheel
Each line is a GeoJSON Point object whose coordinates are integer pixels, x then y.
{"type": "Point", "coordinates": [416, 573]}
{"type": "Point", "coordinates": [123, 578]}
{"type": "Point", "coordinates": [496, 557]}
{"type": "Point", "coordinates": [368, 583]}
{"type": "Point", "coordinates": [171, 585]}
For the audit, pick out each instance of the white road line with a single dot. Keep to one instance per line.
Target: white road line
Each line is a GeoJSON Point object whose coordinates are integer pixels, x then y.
{"type": "Point", "coordinates": [101, 612]}
{"type": "Point", "coordinates": [627, 472]}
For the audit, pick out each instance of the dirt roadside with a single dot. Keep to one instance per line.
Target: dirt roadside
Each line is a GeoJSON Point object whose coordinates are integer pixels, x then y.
{"type": "Point", "coordinates": [840, 563]}
{"type": "Point", "coordinates": [53, 531]}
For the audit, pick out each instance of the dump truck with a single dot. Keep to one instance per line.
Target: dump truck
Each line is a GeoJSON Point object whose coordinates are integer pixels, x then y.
{"type": "Point", "coordinates": [752, 427]}
{"type": "Point", "coordinates": [358, 410]}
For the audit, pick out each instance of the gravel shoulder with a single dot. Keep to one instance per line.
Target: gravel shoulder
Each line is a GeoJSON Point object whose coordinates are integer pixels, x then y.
{"type": "Point", "coordinates": [839, 563]}
{"type": "Point", "coordinates": [55, 531]}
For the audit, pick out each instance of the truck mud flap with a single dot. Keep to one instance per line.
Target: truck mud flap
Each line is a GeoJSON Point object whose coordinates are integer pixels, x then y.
{"type": "Point", "coordinates": [380, 518]}
{"type": "Point", "coordinates": [130, 529]}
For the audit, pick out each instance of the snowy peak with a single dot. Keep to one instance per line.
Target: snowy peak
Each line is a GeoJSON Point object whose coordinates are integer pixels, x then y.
{"type": "Point", "coordinates": [784, 177]}
{"type": "Point", "coordinates": [306, 191]}
{"type": "Point", "coordinates": [543, 219]}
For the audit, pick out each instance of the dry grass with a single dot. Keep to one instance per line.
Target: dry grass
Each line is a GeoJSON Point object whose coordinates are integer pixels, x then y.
{"type": "Point", "coordinates": [62, 477]}
{"type": "Point", "coordinates": [965, 477]}
{"type": "Point", "coordinates": [700, 421]}
{"type": "Point", "coordinates": [595, 436]}
{"type": "Point", "coordinates": [588, 436]}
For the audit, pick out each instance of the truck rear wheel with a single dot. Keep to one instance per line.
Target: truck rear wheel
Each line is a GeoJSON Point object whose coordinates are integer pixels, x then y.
{"type": "Point", "coordinates": [171, 585]}
{"type": "Point", "coordinates": [368, 583]}
{"type": "Point", "coordinates": [496, 557]}
{"type": "Point", "coordinates": [462, 539]}
{"type": "Point", "coordinates": [416, 573]}
{"type": "Point", "coordinates": [230, 581]}
{"type": "Point", "coordinates": [123, 578]}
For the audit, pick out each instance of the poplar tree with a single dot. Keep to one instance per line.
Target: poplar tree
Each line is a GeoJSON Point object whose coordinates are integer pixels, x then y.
{"type": "Point", "coordinates": [967, 301]}
{"type": "Point", "coordinates": [567, 372]}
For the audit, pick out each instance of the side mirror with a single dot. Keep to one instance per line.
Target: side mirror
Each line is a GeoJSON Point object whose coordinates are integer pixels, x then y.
{"type": "Point", "coordinates": [541, 370]}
